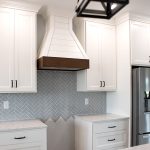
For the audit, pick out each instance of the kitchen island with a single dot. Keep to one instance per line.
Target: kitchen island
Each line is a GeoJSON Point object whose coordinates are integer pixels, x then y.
{"type": "Point", "coordinates": [141, 147]}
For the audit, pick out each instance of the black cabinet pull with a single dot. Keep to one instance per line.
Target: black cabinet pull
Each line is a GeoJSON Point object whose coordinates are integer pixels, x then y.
{"type": "Point", "coordinates": [12, 83]}
{"type": "Point", "coordinates": [16, 83]}
{"type": "Point", "coordinates": [100, 83]}
{"type": "Point", "coordinates": [112, 127]}
{"type": "Point", "coordinates": [104, 84]}
{"type": "Point", "coordinates": [111, 140]}
{"type": "Point", "coordinates": [19, 138]}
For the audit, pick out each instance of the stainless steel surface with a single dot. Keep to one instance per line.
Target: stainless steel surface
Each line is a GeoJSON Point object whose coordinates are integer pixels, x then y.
{"type": "Point", "coordinates": [141, 105]}
{"type": "Point", "coordinates": [144, 139]}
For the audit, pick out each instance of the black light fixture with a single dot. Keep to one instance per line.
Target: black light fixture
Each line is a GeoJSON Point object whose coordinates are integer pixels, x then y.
{"type": "Point", "coordinates": [103, 9]}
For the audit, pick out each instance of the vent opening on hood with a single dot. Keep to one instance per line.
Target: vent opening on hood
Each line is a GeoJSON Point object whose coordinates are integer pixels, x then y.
{"type": "Point", "coordinates": [61, 49]}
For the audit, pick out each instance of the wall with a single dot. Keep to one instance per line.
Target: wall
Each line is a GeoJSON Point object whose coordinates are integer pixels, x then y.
{"type": "Point", "coordinates": [41, 28]}
{"type": "Point", "coordinates": [56, 97]}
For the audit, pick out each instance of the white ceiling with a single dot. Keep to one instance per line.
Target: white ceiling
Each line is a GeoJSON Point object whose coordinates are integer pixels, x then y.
{"type": "Point", "coordinates": [138, 6]}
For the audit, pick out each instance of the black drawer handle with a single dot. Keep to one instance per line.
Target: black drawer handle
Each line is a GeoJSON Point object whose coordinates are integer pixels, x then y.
{"type": "Point", "coordinates": [112, 127]}
{"type": "Point", "coordinates": [19, 138]}
{"type": "Point", "coordinates": [111, 140]}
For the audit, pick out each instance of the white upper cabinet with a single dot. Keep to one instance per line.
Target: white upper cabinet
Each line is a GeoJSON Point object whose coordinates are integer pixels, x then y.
{"type": "Point", "coordinates": [99, 43]}
{"type": "Point", "coordinates": [93, 41]}
{"type": "Point", "coordinates": [6, 49]}
{"type": "Point", "coordinates": [18, 50]}
{"type": "Point", "coordinates": [108, 57]}
{"type": "Point", "coordinates": [140, 43]}
{"type": "Point", "coordinates": [25, 51]}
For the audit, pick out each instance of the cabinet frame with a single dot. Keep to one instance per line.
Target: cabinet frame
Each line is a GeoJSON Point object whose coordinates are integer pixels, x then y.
{"type": "Point", "coordinates": [83, 85]}
{"type": "Point", "coordinates": [138, 60]}
{"type": "Point", "coordinates": [30, 83]}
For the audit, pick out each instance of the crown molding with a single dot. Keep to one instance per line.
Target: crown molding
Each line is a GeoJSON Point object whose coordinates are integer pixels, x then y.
{"type": "Point", "coordinates": [122, 18]}
{"type": "Point", "coordinates": [140, 18]}
{"type": "Point", "coordinates": [129, 16]}
{"type": "Point", "coordinates": [20, 5]}
{"type": "Point", "coordinates": [101, 21]}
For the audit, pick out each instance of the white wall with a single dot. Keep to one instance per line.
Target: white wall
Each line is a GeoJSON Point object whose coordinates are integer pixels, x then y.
{"type": "Point", "coordinates": [40, 30]}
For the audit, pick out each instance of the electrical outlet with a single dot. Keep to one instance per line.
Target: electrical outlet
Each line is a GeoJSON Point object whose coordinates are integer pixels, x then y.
{"type": "Point", "coordinates": [6, 104]}
{"type": "Point", "coordinates": [86, 101]}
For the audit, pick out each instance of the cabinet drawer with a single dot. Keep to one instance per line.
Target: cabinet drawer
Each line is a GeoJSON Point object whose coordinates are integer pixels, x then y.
{"type": "Point", "coordinates": [22, 146]}
{"type": "Point", "coordinates": [25, 136]}
{"type": "Point", "coordinates": [109, 126]}
{"type": "Point", "coordinates": [114, 148]}
{"type": "Point", "coordinates": [110, 140]}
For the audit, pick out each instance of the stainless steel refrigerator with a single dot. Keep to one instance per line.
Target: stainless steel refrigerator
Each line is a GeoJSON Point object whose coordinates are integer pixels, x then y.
{"type": "Point", "coordinates": [140, 106]}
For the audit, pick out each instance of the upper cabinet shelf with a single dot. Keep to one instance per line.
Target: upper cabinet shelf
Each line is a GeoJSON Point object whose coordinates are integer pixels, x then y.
{"type": "Point", "coordinates": [18, 50]}
{"type": "Point", "coordinates": [99, 42]}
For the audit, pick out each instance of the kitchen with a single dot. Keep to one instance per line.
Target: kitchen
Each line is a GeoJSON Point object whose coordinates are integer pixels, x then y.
{"type": "Point", "coordinates": [62, 89]}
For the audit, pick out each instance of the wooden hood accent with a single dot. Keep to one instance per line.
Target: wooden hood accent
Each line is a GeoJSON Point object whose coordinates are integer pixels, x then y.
{"type": "Point", "coordinates": [57, 63]}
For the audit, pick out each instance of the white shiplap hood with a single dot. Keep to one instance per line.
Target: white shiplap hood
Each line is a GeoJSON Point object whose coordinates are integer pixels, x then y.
{"type": "Point", "coordinates": [60, 41]}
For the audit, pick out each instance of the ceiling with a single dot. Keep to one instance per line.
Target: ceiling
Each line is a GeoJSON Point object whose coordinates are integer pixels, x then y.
{"type": "Point", "coordinates": [140, 6]}
{"type": "Point", "coordinates": [137, 6]}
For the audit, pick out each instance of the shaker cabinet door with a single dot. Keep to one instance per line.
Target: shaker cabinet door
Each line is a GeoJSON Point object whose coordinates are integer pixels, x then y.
{"type": "Point", "coordinates": [101, 49]}
{"type": "Point", "coordinates": [140, 47]}
{"type": "Point", "coordinates": [25, 51]}
{"type": "Point", "coordinates": [100, 46]}
{"type": "Point", "coordinates": [18, 51]}
{"type": "Point", "coordinates": [6, 49]}
{"type": "Point", "coordinates": [109, 58]}
{"type": "Point", "coordinates": [93, 49]}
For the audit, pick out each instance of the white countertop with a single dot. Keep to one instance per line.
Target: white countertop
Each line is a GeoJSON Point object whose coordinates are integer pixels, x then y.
{"type": "Point", "coordinates": [142, 147]}
{"type": "Point", "coordinates": [98, 118]}
{"type": "Point", "coordinates": [19, 125]}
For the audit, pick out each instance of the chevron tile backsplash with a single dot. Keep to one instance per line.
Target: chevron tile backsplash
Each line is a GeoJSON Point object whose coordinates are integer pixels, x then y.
{"type": "Point", "coordinates": [56, 97]}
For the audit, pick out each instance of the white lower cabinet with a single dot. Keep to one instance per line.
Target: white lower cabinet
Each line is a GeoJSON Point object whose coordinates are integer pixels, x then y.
{"type": "Point", "coordinates": [32, 137]}
{"type": "Point", "coordinates": [109, 140]}
{"type": "Point", "coordinates": [118, 148]}
{"type": "Point", "coordinates": [101, 135]}
{"type": "Point", "coordinates": [23, 140]}
{"type": "Point", "coordinates": [32, 146]}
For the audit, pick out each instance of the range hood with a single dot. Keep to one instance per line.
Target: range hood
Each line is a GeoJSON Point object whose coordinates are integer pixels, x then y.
{"type": "Point", "coordinates": [61, 49]}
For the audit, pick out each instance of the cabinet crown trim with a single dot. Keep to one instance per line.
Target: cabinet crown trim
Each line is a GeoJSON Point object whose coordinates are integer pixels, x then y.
{"type": "Point", "coordinates": [132, 17]}
{"type": "Point", "coordinates": [20, 5]}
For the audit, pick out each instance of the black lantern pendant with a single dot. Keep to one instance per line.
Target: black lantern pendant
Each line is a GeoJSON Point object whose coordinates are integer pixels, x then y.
{"type": "Point", "coordinates": [104, 9]}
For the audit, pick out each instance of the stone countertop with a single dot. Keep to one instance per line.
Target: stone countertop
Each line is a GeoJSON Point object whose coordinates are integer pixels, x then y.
{"type": "Point", "coordinates": [21, 125]}
{"type": "Point", "coordinates": [99, 118]}
{"type": "Point", "coordinates": [141, 147]}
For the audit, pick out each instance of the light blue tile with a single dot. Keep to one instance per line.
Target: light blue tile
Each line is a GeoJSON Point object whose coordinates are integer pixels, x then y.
{"type": "Point", "coordinates": [56, 97]}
